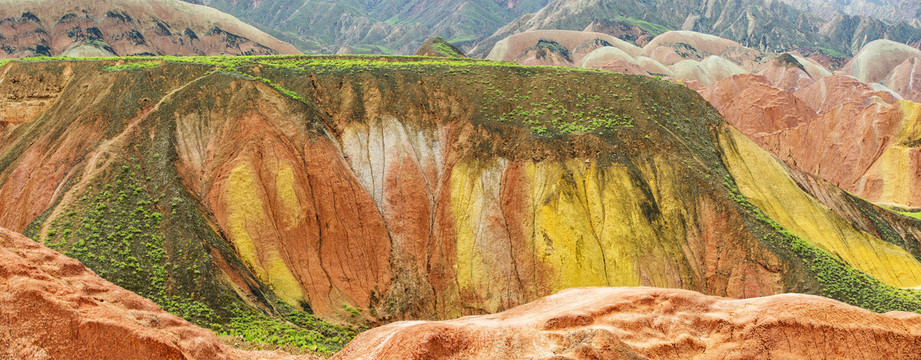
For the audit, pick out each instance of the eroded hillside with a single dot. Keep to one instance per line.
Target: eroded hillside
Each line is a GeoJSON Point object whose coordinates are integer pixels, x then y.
{"type": "Point", "coordinates": [372, 189]}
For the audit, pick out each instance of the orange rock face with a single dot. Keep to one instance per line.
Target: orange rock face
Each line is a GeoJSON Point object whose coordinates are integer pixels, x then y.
{"type": "Point", "coordinates": [52, 307]}
{"type": "Point", "coordinates": [629, 323]}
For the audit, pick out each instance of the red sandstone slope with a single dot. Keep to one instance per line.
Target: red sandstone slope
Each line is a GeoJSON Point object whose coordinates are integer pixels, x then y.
{"type": "Point", "coordinates": [52, 307]}
{"type": "Point", "coordinates": [640, 323]}
{"type": "Point", "coordinates": [742, 98]}
{"type": "Point", "coordinates": [127, 27]}
{"type": "Point", "coordinates": [838, 128]}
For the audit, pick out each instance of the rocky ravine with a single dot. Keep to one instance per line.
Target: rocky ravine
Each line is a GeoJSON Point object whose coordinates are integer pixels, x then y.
{"type": "Point", "coordinates": [52, 307]}
{"type": "Point", "coordinates": [380, 189]}
{"type": "Point", "coordinates": [647, 323]}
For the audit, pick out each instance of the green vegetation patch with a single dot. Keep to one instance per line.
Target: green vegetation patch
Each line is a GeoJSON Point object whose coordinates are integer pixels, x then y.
{"type": "Point", "coordinates": [114, 228]}
{"type": "Point", "coordinates": [916, 214]}
{"type": "Point", "coordinates": [654, 29]}
{"type": "Point", "coordinates": [832, 52]}
{"type": "Point", "coordinates": [446, 49]}
{"type": "Point", "coordinates": [293, 327]}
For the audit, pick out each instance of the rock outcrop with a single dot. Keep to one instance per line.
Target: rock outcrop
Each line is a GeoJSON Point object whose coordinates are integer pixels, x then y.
{"type": "Point", "coordinates": [888, 63]}
{"type": "Point", "coordinates": [91, 28]}
{"type": "Point", "coordinates": [52, 307]}
{"type": "Point", "coordinates": [647, 323]}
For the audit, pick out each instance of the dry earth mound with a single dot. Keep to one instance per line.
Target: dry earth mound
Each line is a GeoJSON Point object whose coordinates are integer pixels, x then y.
{"type": "Point", "coordinates": [648, 323]}
{"type": "Point", "coordinates": [52, 307]}
{"type": "Point", "coordinates": [891, 64]}
{"type": "Point", "coordinates": [684, 55]}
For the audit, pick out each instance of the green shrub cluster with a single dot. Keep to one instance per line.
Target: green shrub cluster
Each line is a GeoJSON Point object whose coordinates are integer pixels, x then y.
{"type": "Point", "coordinates": [114, 229]}
{"type": "Point", "coordinates": [294, 327]}
{"type": "Point", "coordinates": [446, 50]}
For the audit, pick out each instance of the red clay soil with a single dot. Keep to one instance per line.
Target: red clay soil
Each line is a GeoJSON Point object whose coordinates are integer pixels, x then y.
{"type": "Point", "coordinates": [52, 307]}
{"type": "Point", "coordinates": [640, 323]}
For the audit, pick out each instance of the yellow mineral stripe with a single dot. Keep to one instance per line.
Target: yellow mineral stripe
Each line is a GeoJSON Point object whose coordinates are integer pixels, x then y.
{"type": "Point", "coordinates": [764, 181]}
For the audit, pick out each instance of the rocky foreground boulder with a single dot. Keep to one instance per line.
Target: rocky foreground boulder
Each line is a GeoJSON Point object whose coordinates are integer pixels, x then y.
{"type": "Point", "coordinates": [52, 307]}
{"type": "Point", "coordinates": [640, 323]}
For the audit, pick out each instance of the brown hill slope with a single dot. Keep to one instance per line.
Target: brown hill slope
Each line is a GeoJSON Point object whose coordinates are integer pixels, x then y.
{"type": "Point", "coordinates": [646, 323]}
{"type": "Point", "coordinates": [387, 188]}
{"type": "Point", "coordinates": [126, 27]}
{"type": "Point", "coordinates": [52, 307]}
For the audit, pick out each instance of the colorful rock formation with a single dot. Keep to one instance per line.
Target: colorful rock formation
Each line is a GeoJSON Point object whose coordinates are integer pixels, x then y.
{"type": "Point", "coordinates": [380, 189]}
{"type": "Point", "coordinates": [647, 323]}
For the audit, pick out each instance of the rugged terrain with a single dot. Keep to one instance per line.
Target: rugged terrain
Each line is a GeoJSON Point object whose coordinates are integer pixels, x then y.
{"type": "Point", "coordinates": [767, 26]}
{"type": "Point", "coordinates": [373, 189]}
{"type": "Point", "coordinates": [52, 307]}
{"type": "Point", "coordinates": [887, 10]}
{"type": "Point", "coordinates": [646, 323]}
{"type": "Point", "coordinates": [439, 47]}
{"type": "Point", "coordinates": [87, 28]}
{"type": "Point", "coordinates": [366, 26]}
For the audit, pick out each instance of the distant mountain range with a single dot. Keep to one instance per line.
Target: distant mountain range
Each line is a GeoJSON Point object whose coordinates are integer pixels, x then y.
{"type": "Point", "coordinates": [837, 28]}
{"type": "Point", "coordinates": [376, 26]}
{"type": "Point", "coordinates": [771, 26]}
{"type": "Point", "coordinates": [887, 10]}
{"type": "Point", "coordinates": [126, 27]}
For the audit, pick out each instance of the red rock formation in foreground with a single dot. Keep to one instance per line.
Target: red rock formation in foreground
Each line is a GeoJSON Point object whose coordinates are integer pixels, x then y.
{"type": "Point", "coordinates": [629, 323]}
{"type": "Point", "coordinates": [52, 307]}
